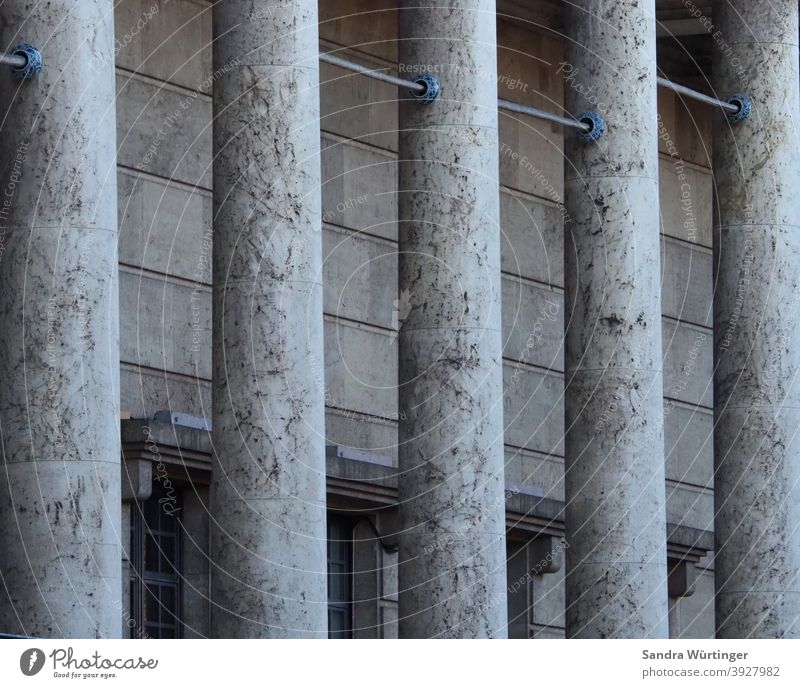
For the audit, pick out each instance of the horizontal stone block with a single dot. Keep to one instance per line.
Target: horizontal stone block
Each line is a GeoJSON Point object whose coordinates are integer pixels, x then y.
{"type": "Point", "coordinates": [533, 324]}
{"type": "Point", "coordinates": [528, 63]}
{"type": "Point", "coordinates": [355, 106]}
{"type": "Point", "coordinates": [164, 130]}
{"type": "Point", "coordinates": [531, 150]}
{"type": "Point", "coordinates": [533, 409]}
{"type": "Point", "coordinates": [690, 506]}
{"type": "Point", "coordinates": [360, 370]}
{"type": "Point", "coordinates": [687, 282]}
{"type": "Point", "coordinates": [688, 363]}
{"type": "Point", "coordinates": [374, 436]}
{"type": "Point", "coordinates": [685, 201]}
{"type": "Point", "coordinates": [145, 391]}
{"type": "Point", "coordinates": [689, 444]}
{"type": "Point", "coordinates": [526, 469]}
{"type": "Point", "coordinates": [685, 128]}
{"type": "Point", "coordinates": [166, 39]}
{"type": "Point", "coordinates": [531, 156]}
{"type": "Point", "coordinates": [359, 188]}
{"type": "Point", "coordinates": [164, 227]}
{"type": "Point", "coordinates": [369, 24]}
{"type": "Point", "coordinates": [532, 238]}
{"type": "Point", "coordinates": [164, 324]}
{"type": "Point", "coordinates": [360, 278]}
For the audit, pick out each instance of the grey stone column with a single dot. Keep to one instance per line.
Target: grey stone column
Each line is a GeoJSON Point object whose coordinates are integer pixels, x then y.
{"type": "Point", "coordinates": [60, 500]}
{"type": "Point", "coordinates": [268, 539]}
{"type": "Point", "coordinates": [452, 576]}
{"type": "Point", "coordinates": [757, 323]}
{"type": "Point", "coordinates": [616, 575]}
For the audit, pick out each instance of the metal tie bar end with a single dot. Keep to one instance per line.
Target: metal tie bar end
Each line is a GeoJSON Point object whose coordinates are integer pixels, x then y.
{"type": "Point", "coordinates": [33, 61]}
{"type": "Point", "coordinates": [432, 88]}
{"type": "Point", "coordinates": [745, 106]}
{"type": "Point", "coordinates": [596, 126]}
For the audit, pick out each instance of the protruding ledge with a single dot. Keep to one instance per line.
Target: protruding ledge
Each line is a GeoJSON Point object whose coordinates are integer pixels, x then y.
{"type": "Point", "coordinates": [367, 481]}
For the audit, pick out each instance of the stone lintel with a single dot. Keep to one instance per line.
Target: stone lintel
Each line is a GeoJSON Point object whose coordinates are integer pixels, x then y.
{"type": "Point", "coordinates": [363, 480]}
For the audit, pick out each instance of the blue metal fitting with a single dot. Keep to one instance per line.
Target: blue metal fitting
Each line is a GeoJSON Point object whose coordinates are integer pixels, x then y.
{"type": "Point", "coordinates": [597, 126]}
{"type": "Point", "coordinates": [33, 61]}
{"type": "Point", "coordinates": [744, 104]}
{"type": "Point", "coordinates": [432, 88]}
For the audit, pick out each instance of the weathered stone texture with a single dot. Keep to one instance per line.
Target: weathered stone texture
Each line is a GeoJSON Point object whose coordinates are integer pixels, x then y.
{"type": "Point", "coordinates": [452, 545]}
{"type": "Point", "coordinates": [59, 336]}
{"type": "Point", "coordinates": [615, 502]}
{"type": "Point", "coordinates": [268, 541]}
{"type": "Point", "coordinates": [757, 325]}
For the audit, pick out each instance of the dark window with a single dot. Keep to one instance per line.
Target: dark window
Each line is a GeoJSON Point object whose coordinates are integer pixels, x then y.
{"type": "Point", "coordinates": [340, 577]}
{"type": "Point", "coordinates": [155, 565]}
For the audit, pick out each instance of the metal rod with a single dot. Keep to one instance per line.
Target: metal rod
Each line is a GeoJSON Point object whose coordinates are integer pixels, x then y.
{"type": "Point", "coordinates": [13, 60]}
{"type": "Point", "coordinates": [372, 73]}
{"type": "Point", "coordinates": [702, 97]}
{"type": "Point", "coordinates": [541, 114]}
{"type": "Point", "coordinates": [419, 88]}
{"type": "Point", "coordinates": [501, 103]}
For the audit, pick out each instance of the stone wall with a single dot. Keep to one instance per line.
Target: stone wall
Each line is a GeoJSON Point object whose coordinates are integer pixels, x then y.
{"type": "Point", "coordinates": [164, 78]}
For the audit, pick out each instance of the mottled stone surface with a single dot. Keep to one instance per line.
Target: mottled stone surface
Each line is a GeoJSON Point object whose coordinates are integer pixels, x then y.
{"type": "Point", "coordinates": [195, 562]}
{"type": "Point", "coordinates": [757, 324]}
{"type": "Point", "coordinates": [615, 513]}
{"type": "Point", "coordinates": [452, 546]}
{"type": "Point", "coordinates": [268, 541]}
{"type": "Point", "coordinates": [59, 341]}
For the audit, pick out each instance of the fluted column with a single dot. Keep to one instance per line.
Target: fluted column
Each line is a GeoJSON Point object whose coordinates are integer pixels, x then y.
{"type": "Point", "coordinates": [757, 323]}
{"type": "Point", "coordinates": [268, 540]}
{"type": "Point", "coordinates": [616, 575]}
{"type": "Point", "coordinates": [60, 555]}
{"type": "Point", "coordinates": [452, 545]}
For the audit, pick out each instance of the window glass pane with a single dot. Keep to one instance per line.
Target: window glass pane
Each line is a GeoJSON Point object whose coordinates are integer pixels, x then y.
{"type": "Point", "coordinates": [150, 552]}
{"type": "Point", "coordinates": [151, 604]}
{"type": "Point", "coordinates": [337, 626]}
{"type": "Point", "coordinates": [155, 553]}
{"type": "Point", "coordinates": [150, 509]}
{"type": "Point", "coordinates": [168, 608]}
{"type": "Point", "coordinates": [132, 608]}
{"type": "Point", "coordinates": [339, 577]}
{"type": "Point", "coordinates": [167, 554]}
{"type": "Point", "coordinates": [338, 589]}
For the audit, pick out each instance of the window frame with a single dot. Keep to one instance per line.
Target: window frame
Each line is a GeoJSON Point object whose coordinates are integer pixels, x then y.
{"type": "Point", "coordinates": [143, 581]}
{"type": "Point", "coordinates": [347, 605]}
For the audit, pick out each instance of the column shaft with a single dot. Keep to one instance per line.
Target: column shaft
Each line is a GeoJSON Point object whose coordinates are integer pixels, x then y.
{"type": "Point", "coordinates": [452, 548]}
{"type": "Point", "coordinates": [60, 494]}
{"type": "Point", "coordinates": [757, 323]}
{"type": "Point", "coordinates": [616, 577]}
{"type": "Point", "coordinates": [268, 539]}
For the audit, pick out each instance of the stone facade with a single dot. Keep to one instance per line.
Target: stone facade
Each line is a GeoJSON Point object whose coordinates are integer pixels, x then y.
{"type": "Point", "coordinates": [169, 85]}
